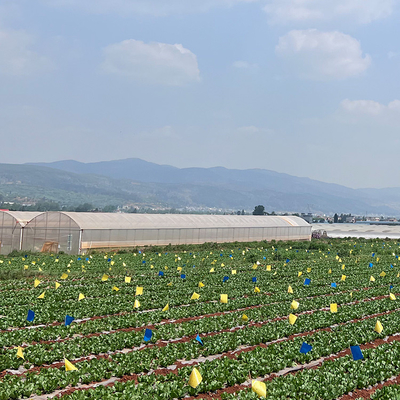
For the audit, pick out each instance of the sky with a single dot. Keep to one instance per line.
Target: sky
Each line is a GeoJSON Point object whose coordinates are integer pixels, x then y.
{"type": "Point", "coordinates": [306, 87]}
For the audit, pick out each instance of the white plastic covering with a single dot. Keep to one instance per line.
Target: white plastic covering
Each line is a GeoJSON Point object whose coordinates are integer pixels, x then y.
{"type": "Point", "coordinates": [77, 232]}
{"type": "Point", "coordinates": [11, 229]}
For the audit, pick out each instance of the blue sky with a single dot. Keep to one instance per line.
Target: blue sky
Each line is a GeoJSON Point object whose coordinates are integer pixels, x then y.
{"type": "Point", "coordinates": [305, 87]}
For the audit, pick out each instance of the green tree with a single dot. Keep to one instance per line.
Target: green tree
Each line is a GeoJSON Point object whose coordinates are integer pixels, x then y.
{"type": "Point", "coordinates": [259, 210]}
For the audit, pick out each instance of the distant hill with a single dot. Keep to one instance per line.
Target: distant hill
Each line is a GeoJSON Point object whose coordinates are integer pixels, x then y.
{"type": "Point", "coordinates": [149, 183]}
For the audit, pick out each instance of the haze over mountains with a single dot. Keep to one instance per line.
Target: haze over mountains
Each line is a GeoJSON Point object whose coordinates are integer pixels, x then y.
{"type": "Point", "coordinates": [135, 181]}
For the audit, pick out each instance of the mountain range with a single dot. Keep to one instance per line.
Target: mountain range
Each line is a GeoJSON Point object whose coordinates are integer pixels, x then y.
{"type": "Point", "coordinates": [141, 183]}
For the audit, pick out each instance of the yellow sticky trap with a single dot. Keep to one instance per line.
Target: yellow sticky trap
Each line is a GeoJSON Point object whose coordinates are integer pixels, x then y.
{"type": "Point", "coordinates": [69, 366]}
{"type": "Point", "coordinates": [212, 270]}
{"type": "Point", "coordinates": [269, 267]}
{"type": "Point", "coordinates": [41, 296]}
{"type": "Point", "coordinates": [201, 284]}
{"type": "Point", "coordinates": [340, 260]}
{"type": "Point", "coordinates": [351, 294]}
{"type": "Point", "coordinates": [294, 305]}
{"type": "Point", "coordinates": [112, 262]}
{"type": "Point", "coordinates": [259, 388]}
{"type": "Point", "coordinates": [195, 296]}
{"type": "Point", "coordinates": [330, 271]}
{"type": "Point", "coordinates": [292, 319]}
{"type": "Point", "coordinates": [81, 296]}
{"type": "Point", "coordinates": [234, 272]}
{"type": "Point", "coordinates": [169, 284]}
{"type": "Point", "coordinates": [382, 274]}
{"type": "Point", "coordinates": [25, 266]}
{"type": "Point", "coordinates": [224, 298]}
{"type": "Point", "coordinates": [57, 285]}
{"type": "Point", "coordinates": [166, 308]}
{"type": "Point", "coordinates": [372, 279]}
{"type": "Point", "coordinates": [222, 265]}
{"type": "Point", "coordinates": [333, 308]}
{"type": "Point", "coordinates": [64, 276]}
{"type": "Point", "coordinates": [104, 278]}
{"type": "Point", "coordinates": [20, 353]}
{"type": "Point", "coordinates": [377, 260]}
{"type": "Point", "coordinates": [290, 290]}
{"type": "Point", "coordinates": [308, 269]}
{"type": "Point", "coordinates": [299, 274]}
{"type": "Point", "coordinates": [257, 290]}
{"type": "Point", "coordinates": [255, 266]}
{"type": "Point", "coordinates": [128, 279]}
{"type": "Point", "coordinates": [337, 257]}
{"type": "Point", "coordinates": [139, 290]}
{"type": "Point", "coordinates": [343, 278]}
{"type": "Point", "coordinates": [36, 283]}
{"type": "Point", "coordinates": [343, 266]}
{"type": "Point", "coordinates": [392, 296]}
{"type": "Point", "coordinates": [115, 289]}
{"type": "Point", "coordinates": [195, 378]}
{"type": "Point", "coordinates": [245, 318]}
{"type": "Point", "coordinates": [136, 304]}
{"type": "Point", "coordinates": [40, 269]}
{"type": "Point", "coordinates": [378, 327]}
{"type": "Point", "coordinates": [179, 269]}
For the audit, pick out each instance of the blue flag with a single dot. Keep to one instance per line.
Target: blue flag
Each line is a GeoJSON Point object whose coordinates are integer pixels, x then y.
{"type": "Point", "coordinates": [373, 254]}
{"type": "Point", "coordinates": [183, 276]}
{"type": "Point", "coordinates": [333, 284]}
{"type": "Point", "coordinates": [390, 287]}
{"type": "Point", "coordinates": [356, 353]}
{"type": "Point", "coordinates": [225, 278]}
{"type": "Point", "coordinates": [254, 280]}
{"type": "Point", "coordinates": [79, 259]}
{"type": "Point", "coordinates": [391, 266]}
{"type": "Point", "coordinates": [161, 273]}
{"type": "Point", "coordinates": [31, 316]}
{"type": "Point", "coordinates": [307, 281]}
{"type": "Point", "coordinates": [371, 265]}
{"type": "Point", "coordinates": [287, 260]}
{"type": "Point", "coordinates": [199, 339]}
{"type": "Point", "coordinates": [68, 320]}
{"type": "Point", "coordinates": [305, 348]}
{"type": "Point", "coordinates": [148, 335]}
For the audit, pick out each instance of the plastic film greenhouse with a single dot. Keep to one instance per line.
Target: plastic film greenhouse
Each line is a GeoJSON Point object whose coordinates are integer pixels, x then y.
{"type": "Point", "coordinates": [11, 229]}
{"type": "Point", "coordinates": [76, 233]}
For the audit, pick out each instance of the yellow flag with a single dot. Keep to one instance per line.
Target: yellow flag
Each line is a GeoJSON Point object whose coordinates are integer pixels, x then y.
{"type": "Point", "coordinates": [308, 269]}
{"type": "Point", "coordinates": [169, 284]}
{"type": "Point", "coordinates": [166, 308]}
{"type": "Point", "coordinates": [351, 294]}
{"type": "Point", "coordinates": [179, 269]}
{"type": "Point", "coordinates": [115, 289]}
{"type": "Point", "coordinates": [40, 269]}
{"type": "Point", "coordinates": [377, 260]}
{"type": "Point", "coordinates": [195, 296]}
{"type": "Point", "coordinates": [26, 266]}
{"type": "Point", "coordinates": [201, 284]}
{"type": "Point", "coordinates": [343, 266]}
{"type": "Point", "coordinates": [234, 272]}
{"type": "Point", "coordinates": [222, 265]}
{"type": "Point", "coordinates": [41, 296]}
{"type": "Point", "coordinates": [136, 304]}
{"type": "Point", "coordinates": [378, 327]}
{"type": "Point", "coordinates": [343, 278]}
{"type": "Point", "coordinates": [333, 307]}
{"type": "Point", "coordinates": [69, 366]}
{"type": "Point", "coordinates": [294, 305]}
{"type": "Point", "coordinates": [245, 318]}
{"type": "Point", "coordinates": [195, 378]}
{"type": "Point", "coordinates": [259, 388]}
{"type": "Point", "coordinates": [20, 353]}
{"type": "Point", "coordinates": [104, 278]}
{"type": "Point", "coordinates": [256, 290]}
{"type": "Point", "coordinates": [290, 290]}
{"type": "Point", "coordinates": [81, 296]}
{"type": "Point", "coordinates": [255, 266]}
{"type": "Point", "coordinates": [330, 271]}
{"type": "Point", "coordinates": [299, 273]}
{"type": "Point", "coordinates": [36, 283]}
{"type": "Point", "coordinates": [224, 298]}
{"type": "Point", "coordinates": [139, 290]}
{"type": "Point", "coordinates": [392, 296]}
{"type": "Point", "coordinates": [292, 319]}
{"type": "Point", "coordinates": [372, 279]}
{"type": "Point", "coordinates": [382, 274]}
{"type": "Point", "coordinates": [64, 276]}
{"type": "Point", "coordinates": [128, 279]}
{"type": "Point", "coordinates": [337, 257]}
{"type": "Point", "coordinates": [212, 270]}
{"type": "Point", "coordinates": [269, 267]}
{"type": "Point", "coordinates": [340, 260]}
{"type": "Point", "coordinates": [58, 285]}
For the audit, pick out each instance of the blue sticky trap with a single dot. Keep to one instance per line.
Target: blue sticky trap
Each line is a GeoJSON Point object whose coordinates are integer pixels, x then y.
{"type": "Point", "coordinates": [307, 281]}
{"type": "Point", "coordinates": [391, 266]}
{"type": "Point", "coordinates": [87, 258]}
{"type": "Point", "coordinates": [190, 254]}
{"type": "Point", "coordinates": [305, 348]}
{"type": "Point", "coordinates": [221, 255]}
{"type": "Point", "coordinates": [26, 255]}
{"type": "Point", "coordinates": [333, 284]}
{"type": "Point", "coordinates": [193, 266]}
{"type": "Point", "coordinates": [140, 252]}
{"type": "Point", "coordinates": [390, 287]}
{"type": "Point", "coordinates": [225, 278]}
{"type": "Point", "coordinates": [79, 259]}
{"type": "Point", "coordinates": [297, 251]}
{"type": "Point", "coordinates": [230, 255]}
{"type": "Point", "coordinates": [183, 276]}
{"type": "Point", "coordinates": [254, 280]}
{"type": "Point", "coordinates": [264, 258]}
{"type": "Point", "coordinates": [199, 339]}
{"type": "Point", "coordinates": [287, 260]}
{"type": "Point", "coordinates": [31, 316]}
{"type": "Point", "coordinates": [356, 353]}
{"type": "Point", "coordinates": [68, 320]}
{"type": "Point", "coordinates": [161, 273]}
{"type": "Point", "coordinates": [148, 335]}
{"type": "Point", "coordinates": [373, 254]}
{"type": "Point", "coordinates": [143, 262]}
{"type": "Point", "coordinates": [371, 265]}
{"type": "Point", "coordinates": [329, 252]}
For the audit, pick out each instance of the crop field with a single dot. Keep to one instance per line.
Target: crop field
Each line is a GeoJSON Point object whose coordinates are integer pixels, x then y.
{"type": "Point", "coordinates": [302, 320]}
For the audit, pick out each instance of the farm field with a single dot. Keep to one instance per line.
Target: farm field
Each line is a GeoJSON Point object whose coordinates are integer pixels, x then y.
{"type": "Point", "coordinates": [204, 322]}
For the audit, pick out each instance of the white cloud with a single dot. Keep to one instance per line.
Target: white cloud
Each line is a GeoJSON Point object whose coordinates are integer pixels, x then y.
{"type": "Point", "coordinates": [244, 65]}
{"type": "Point", "coordinates": [17, 57]}
{"type": "Point", "coordinates": [322, 55]}
{"type": "Point", "coordinates": [152, 7]}
{"type": "Point", "coordinates": [370, 107]}
{"type": "Point", "coordinates": [360, 11]}
{"type": "Point", "coordinates": [156, 63]}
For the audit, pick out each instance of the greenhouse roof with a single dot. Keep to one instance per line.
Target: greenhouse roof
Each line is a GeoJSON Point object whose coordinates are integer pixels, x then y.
{"type": "Point", "coordinates": [22, 217]}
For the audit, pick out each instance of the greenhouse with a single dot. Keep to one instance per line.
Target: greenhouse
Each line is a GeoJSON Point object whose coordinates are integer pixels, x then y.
{"type": "Point", "coordinates": [75, 233]}
{"type": "Point", "coordinates": [11, 229]}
